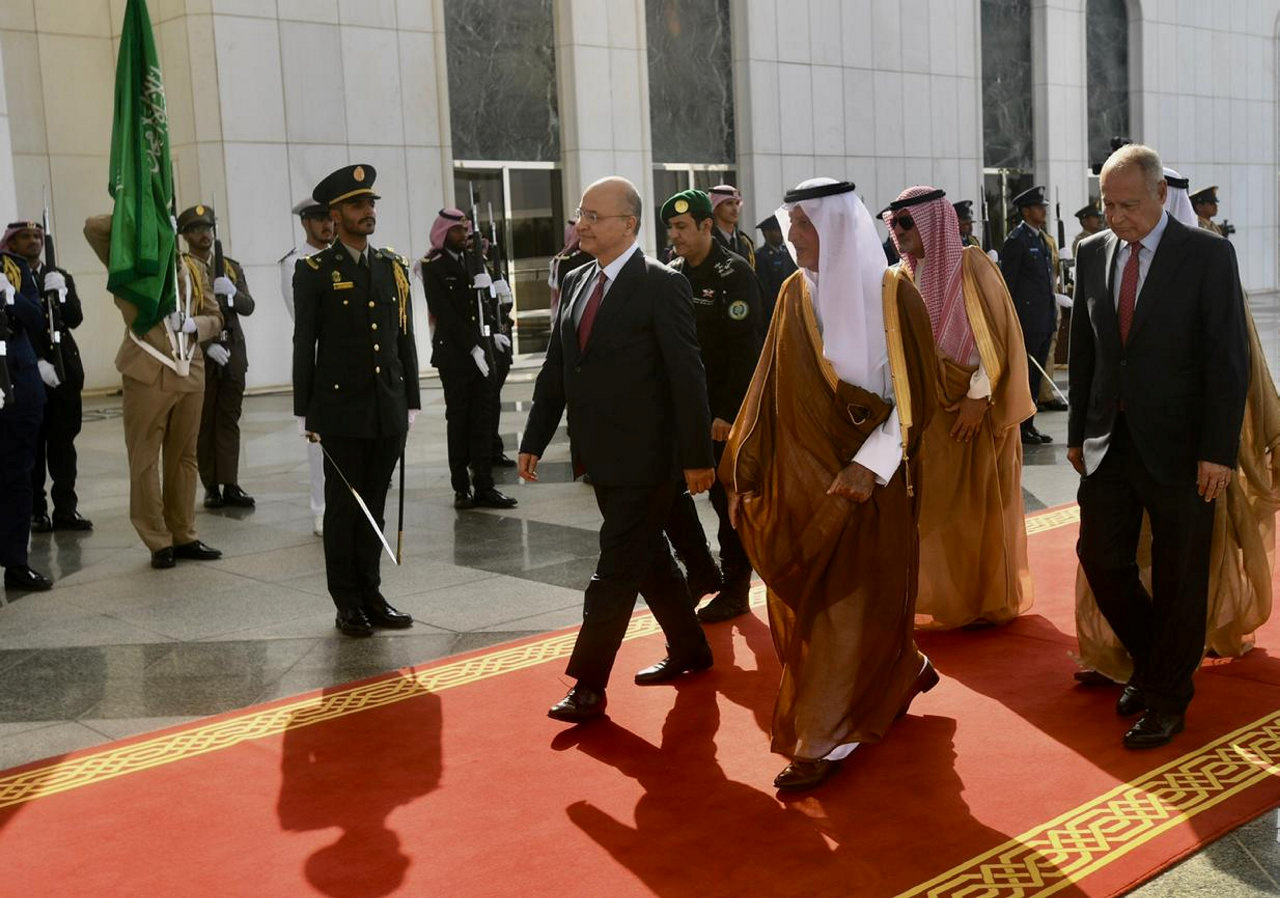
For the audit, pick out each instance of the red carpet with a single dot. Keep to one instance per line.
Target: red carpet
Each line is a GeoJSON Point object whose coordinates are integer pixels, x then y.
{"type": "Point", "coordinates": [447, 780]}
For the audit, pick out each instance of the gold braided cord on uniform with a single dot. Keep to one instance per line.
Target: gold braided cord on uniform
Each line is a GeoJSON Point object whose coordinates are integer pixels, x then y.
{"type": "Point", "coordinates": [402, 287]}
{"type": "Point", "coordinates": [197, 282]}
{"type": "Point", "coordinates": [13, 273]}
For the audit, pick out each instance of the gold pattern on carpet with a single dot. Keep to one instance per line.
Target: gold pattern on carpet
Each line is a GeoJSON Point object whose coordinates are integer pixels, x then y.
{"type": "Point", "coordinates": [1063, 851]}
{"type": "Point", "coordinates": [111, 762]}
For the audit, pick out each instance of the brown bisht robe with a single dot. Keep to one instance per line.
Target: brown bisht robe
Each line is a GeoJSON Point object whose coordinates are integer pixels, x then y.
{"type": "Point", "coordinates": [973, 539]}
{"type": "Point", "coordinates": [841, 575]}
{"type": "Point", "coordinates": [1242, 555]}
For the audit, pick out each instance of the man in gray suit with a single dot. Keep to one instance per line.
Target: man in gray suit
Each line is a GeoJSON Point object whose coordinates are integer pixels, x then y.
{"type": "Point", "coordinates": [1159, 368]}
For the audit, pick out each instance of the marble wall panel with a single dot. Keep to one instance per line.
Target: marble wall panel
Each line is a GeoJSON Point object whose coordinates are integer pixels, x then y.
{"type": "Point", "coordinates": [690, 80]}
{"type": "Point", "coordinates": [502, 80]}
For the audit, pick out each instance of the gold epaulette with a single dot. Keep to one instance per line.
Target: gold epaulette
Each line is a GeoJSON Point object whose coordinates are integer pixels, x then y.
{"type": "Point", "coordinates": [13, 273]}
{"type": "Point", "coordinates": [312, 261]}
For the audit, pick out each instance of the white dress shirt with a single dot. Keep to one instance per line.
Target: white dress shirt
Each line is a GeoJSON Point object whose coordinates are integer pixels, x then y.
{"type": "Point", "coordinates": [1146, 252]}
{"type": "Point", "coordinates": [611, 271]}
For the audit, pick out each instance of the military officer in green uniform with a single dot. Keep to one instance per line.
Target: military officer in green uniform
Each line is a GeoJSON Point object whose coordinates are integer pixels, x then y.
{"type": "Point", "coordinates": [355, 388]}
{"type": "Point", "coordinates": [727, 308]}
{"type": "Point", "coordinates": [218, 446]}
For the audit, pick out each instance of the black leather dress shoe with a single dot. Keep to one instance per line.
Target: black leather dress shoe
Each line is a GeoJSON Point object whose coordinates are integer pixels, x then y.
{"type": "Point", "coordinates": [353, 623]}
{"type": "Point", "coordinates": [925, 680]}
{"type": "Point", "coordinates": [464, 500]}
{"type": "Point", "coordinates": [734, 599]}
{"type": "Point", "coordinates": [669, 668]}
{"type": "Point", "coordinates": [579, 706]}
{"type": "Point", "coordinates": [1131, 702]}
{"type": "Point", "coordinates": [196, 551]}
{"type": "Point", "coordinates": [213, 498]}
{"type": "Point", "coordinates": [233, 495]}
{"type": "Point", "coordinates": [381, 614]}
{"type": "Point", "coordinates": [703, 582]}
{"type": "Point", "coordinates": [71, 521]}
{"type": "Point", "coordinates": [21, 577]}
{"type": "Point", "coordinates": [1153, 729]}
{"type": "Point", "coordinates": [491, 498]}
{"type": "Point", "coordinates": [163, 558]}
{"type": "Point", "coordinates": [503, 461]}
{"type": "Point", "coordinates": [40, 523]}
{"type": "Point", "coordinates": [804, 774]}
{"type": "Point", "coordinates": [1052, 405]}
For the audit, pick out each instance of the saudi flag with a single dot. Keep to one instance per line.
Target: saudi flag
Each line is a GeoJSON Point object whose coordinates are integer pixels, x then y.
{"type": "Point", "coordinates": [143, 242]}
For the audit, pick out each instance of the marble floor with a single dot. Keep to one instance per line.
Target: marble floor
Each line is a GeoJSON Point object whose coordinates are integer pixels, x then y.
{"type": "Point", "coordinates": [118, 648]}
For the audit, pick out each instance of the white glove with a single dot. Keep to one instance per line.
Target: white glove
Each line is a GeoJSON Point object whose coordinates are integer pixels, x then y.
{"type": "Point", "coordinates": [503, 341]}
{"type": "Point", "coordinates": [482, 281]}
{"type": "Point", "coordinates": [179, 323]}
{"type": "Point", "coordinates": [7, 290]}
{"type": "Point", "coordinates": [413, 416]}
{"type": "Point", "coordinates": [223, 287]}
{"type": "Point", "coordinates": [48, 373]}
{"type": "Point", "coordinates": [1064, 301]}
{"type": "Point", "coordinates": [218, 353]}
{"type": "Point", "coordinates": [54, 281]}
{"type": "Point", "coordinates": [478, 354]}
{"type": "Point", "coordinates": [503, 289]}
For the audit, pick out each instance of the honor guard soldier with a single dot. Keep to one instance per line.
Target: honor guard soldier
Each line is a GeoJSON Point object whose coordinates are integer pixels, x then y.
{"type": "Point", "coordinates": [1027, 262]}
{"type": "Point", "coordinates": [318, 227]}
{"type": "Point", "coordinates": [1090, 218]}
{"type": "Point", "coordinates": [63, 373]}
{"type": "Point", "coordinates": [355, 387]}
{"type": "Point", "coordinates": [727, 308]}
{"type": "Point", "coordinates": [773, 265]}
{"type": "Point", "coordinates": [726, 205]}
{"type": "Point", "coordinates": [218, 446]}
{"type": "Point", "coordinates": [464, 354]}
{"type": "Point", "coordinates": [964, 214]}
{"type": "Point", "coordinates": [21, 410]}
{"type": "Point", "coordinates": [1205, 202]}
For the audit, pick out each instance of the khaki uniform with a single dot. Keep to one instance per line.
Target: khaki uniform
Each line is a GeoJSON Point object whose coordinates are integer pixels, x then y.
{"type": "Point", "coordinates": [1209, 225]}
{"type": "Point", "coordinates": [161, 410]}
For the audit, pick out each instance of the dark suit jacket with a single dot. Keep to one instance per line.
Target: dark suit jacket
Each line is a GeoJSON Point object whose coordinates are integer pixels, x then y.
{"type": "Point", "coordinates": [637, 397]}
{"type": "Point", "coordinates": [355, 369]}
{"type": "Point", "coordinates": [1184, 372]}
{"type": "Point", "coordinates": [1027, 266]}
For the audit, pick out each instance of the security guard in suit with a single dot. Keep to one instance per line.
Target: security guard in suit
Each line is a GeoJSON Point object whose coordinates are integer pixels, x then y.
{"type": "Point", "coordinates": [218, 446]}
{"type": "Point", "coordinates": [20, 414]}
{"type": "Point", "coordinates": [1027, 262]}
{"type": "Point", "coordinates": [55, 447]}
{"type": "Point", "coordinates": [464, 355]}
{"type": "Point", "coordinates": [727, 310]}
{"type": "Point", "coordinates": [774, 265]}
{"type": "Point", "coordinates": [964, 214]}
{"type": "Point", "coordinates": [1205, 202]}
{"type": "Point", "coordinates": [355, 388]}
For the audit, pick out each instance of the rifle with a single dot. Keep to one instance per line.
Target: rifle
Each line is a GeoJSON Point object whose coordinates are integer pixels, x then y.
{"type": "Point", "coordinates": [1064, 265]}
{"type": "Point", "coordinates": [52, 313]}
{"type": "Point", "coordinates": [483, 285]}
{"type": "Point", "coordinates": [6, 386]}
{"type": "Point", "coordinates": [499, 258]}
{"type": "Point", "coordinates": [986, 225]}
{"type": "Point", "coordinates": [220, 271]}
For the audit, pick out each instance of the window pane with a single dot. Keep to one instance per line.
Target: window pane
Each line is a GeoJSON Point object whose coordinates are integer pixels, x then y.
{"type": "Point", "coordinates": [690, 81]}
{"type": "Point", "coordinates": [1107, 53]}
{"type": "Point", "coordinates": [502, 80]}
{"type": "Point", "coordinates": [1007, 134]}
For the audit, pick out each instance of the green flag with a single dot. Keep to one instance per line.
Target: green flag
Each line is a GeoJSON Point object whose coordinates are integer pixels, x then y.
{"type": "Point", "coordinates": [143, 242]}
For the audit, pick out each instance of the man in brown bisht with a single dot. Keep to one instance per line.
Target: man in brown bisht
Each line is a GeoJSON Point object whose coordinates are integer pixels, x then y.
{"type": "Point", "coordinates": [1242, 553]}
{"type": "Point", "coordinates": [973, 541]}
{"type": "Point", "coordinates": [821, 468]}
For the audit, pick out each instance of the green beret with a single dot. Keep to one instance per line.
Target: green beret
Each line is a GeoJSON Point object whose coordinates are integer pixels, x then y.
{"type": "Point", "coordinates": [695, 202]}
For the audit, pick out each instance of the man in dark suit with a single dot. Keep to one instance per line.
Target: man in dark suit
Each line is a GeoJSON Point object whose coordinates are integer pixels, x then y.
{"type": "Point", "coordinates": [1159, 368]}
{"type": "Point", "coordinates": [1027, 264]}
{"type": "Point", "coordinates": [355, 387]}
{"type": "Point", "coordinates": [624, 360]}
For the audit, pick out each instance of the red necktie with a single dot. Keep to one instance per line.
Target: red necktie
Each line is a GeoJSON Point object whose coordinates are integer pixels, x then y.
{"type": "Point", "coordinates": [1128, 292]}
{"type": "Point", "coordinates": [589, 313]}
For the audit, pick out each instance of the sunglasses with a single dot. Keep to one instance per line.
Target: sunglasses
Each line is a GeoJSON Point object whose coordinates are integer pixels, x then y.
{"type": "Point", "coordinates": [903, 222]}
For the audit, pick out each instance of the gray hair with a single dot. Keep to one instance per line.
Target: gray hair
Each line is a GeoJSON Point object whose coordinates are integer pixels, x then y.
{"type": "Point", "coordinates": [1136, 155]}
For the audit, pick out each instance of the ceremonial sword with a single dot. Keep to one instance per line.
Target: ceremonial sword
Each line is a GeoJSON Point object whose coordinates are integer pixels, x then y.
{"type": "Point", "coordinates": [365, 508]}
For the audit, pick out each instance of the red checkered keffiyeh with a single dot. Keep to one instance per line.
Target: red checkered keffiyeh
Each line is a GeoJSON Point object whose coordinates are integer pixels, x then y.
{"type": "Point", "coordinates": [941, 283]}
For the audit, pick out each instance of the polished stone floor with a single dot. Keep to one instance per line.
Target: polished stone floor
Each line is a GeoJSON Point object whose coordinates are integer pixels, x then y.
{"type": "Point", "coordinates": [118, 648]}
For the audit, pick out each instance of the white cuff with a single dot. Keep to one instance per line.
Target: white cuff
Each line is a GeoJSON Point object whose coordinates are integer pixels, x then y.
{"type": "Point", "coordinates": [979, 384]}
{"type": "Point", "coordinates": [882, 452]}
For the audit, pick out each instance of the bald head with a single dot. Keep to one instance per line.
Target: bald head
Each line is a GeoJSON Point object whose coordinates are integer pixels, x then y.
{"type": "Point", "coordinates": [609, 218]}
